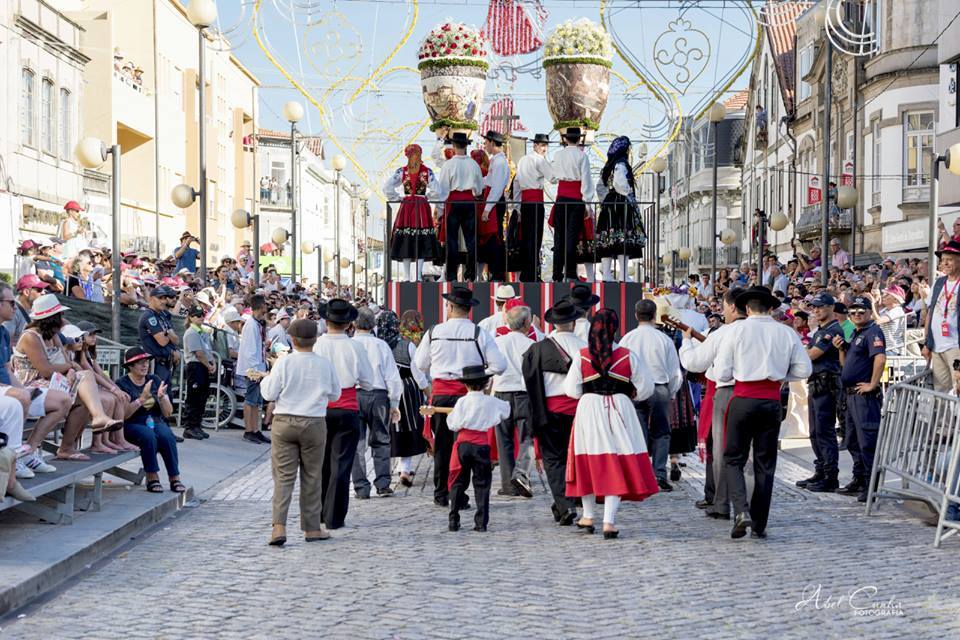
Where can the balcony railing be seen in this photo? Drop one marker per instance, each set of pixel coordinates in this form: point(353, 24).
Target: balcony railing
point(726, 256)
point(810, 221)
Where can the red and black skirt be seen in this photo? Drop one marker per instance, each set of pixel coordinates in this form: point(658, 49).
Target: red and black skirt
point(414, 236)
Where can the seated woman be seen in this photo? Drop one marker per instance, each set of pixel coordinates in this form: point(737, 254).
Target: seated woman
point(40, 356)
point(146, 424)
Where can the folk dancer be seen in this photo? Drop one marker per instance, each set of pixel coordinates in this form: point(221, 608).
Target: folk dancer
point(473, 415)
point(516, 466)
point(582, 296)
point(496, 180)
point(502, 294)
point(759, 355)
point(533, 170)
point(379, 407)
point(349, 358)
point(824, 387)
point(414, 238)
point(545, 367)
point(659, 354)
point(610, 459)
point(864, 361)
point(443, 353)
point(620, 232)
point(406, 435)
point(571, 167)
point(461, 180)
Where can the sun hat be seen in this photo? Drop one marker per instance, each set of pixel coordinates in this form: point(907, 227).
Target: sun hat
point(45, 306)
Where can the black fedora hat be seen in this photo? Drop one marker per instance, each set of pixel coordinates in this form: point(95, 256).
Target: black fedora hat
point(562, 312)
point(951, 247)
point(541, 137)
point(573, 134)
point(461, 295)
point(474, 373)
point(756, 293)
point(459, 138)
point(339, 310)
point(494, 136)
point(583, 296)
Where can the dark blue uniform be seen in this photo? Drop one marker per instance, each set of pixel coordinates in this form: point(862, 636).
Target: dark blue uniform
point(863, 411)
point(824, 385)
point(153, 322)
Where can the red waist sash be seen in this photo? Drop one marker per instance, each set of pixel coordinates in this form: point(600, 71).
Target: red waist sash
point(531, 195)
point(441, 387)
point(564, 405)
point(479, 438)
point(569, 189)
point(705, 419)
point(347, 400)
point(460, 196)
point(758, 390)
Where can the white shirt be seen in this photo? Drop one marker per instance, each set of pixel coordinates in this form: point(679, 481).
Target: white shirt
point(478, 412)
point(781, 283)
point(393, 187)
point(571, 345)
point(498, 175)
point(418, 376)
point(461, 173)
point(941, 342)
point(533, 171)
point(571, 164)
point(699, 356)
point(302, 384)
point(278, 333)
point(349, 359)
point(490, 324)
point(386, 376)
point(250, 355)
point(694, 319)
point(581, 329)
point(658, 352)
point(512, 346)
point(621, 184)
point(452, 348)
point(760, 348)
point(639, 376)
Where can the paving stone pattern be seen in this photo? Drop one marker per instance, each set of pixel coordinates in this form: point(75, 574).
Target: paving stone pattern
point(394, 572)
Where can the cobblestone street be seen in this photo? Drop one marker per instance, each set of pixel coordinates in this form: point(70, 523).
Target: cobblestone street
point(395, 572)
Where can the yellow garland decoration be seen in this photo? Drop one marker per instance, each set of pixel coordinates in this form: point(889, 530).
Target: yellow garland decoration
point(396, 49)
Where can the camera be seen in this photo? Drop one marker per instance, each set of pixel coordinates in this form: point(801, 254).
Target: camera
point(956, 364)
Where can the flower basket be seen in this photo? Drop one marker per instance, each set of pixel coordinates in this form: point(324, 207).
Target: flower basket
point(453, 75)
point(577, 60)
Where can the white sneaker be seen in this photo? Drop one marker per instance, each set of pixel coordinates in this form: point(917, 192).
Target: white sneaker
point(23, 471)
point(37, 464)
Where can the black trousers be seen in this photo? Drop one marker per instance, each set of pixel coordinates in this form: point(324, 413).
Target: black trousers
point(822, 414)
point(343, 434)
point(531, 239)
point(475, 462)
point(498, 254)
point(462, 215)
point(752, 423)
point(710, 482)
point(442, 447)
point(567, 221)
point(197, 378)
point(554, 439)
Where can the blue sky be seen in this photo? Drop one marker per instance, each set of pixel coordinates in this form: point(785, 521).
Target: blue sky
point(330, 48)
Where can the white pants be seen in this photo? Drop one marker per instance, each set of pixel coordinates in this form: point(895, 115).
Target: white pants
point(408, 270)
point(610, 506)
point(607, 268)
point(11, 421)
point(406, 465)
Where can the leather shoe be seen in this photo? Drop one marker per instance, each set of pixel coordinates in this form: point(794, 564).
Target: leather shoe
point(826, 485)
point(702, 504)
point(556, 512)
point(568, 518)
point(453, 526)
point(279, 536)
point(758, 535)
point(386, 492)
point(664, 485)
point(740, 525)
point(479, 528)
point(854, 488)
point(319, 534)
point(862, 496)
point(362, 495)
point(816, 477)
point(441, 502)
point(717, 515)
point(193, 433)
point(522, 487)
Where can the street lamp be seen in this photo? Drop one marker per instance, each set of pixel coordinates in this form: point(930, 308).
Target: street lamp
point(307, 248)
point(668, 261)
point(684, 254)
point(339, 164)
point(951, 160)
point(92, 153)
point(293, 112)
point(658, 165)
point(241, 219)
point(202, 14)
point(716, 114)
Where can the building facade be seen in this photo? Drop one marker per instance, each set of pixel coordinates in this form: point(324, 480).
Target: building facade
point(948, 129)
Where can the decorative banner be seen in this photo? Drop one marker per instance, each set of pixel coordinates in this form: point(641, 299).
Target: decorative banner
point(814, 191)
point(515, 27)
point(681, 54)
point(846, 178)
point(496, 117)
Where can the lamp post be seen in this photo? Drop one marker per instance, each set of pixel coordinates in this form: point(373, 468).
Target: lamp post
point(847, 197)
point(202, 14)
point(777, 222)
point(684, 254)
point(658, 166)
point(339, 163)
point(279, 237)
point(951, 160)
point(727, 237)
point(670, 260)
point(293, 112)
point(92, 153)
point(717, 114)
point(307, 248)
point(241, 219)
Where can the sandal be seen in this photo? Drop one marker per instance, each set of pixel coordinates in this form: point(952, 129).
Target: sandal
point(177, 487)
point(154, 486)
point(73, 456)
point(113, 425)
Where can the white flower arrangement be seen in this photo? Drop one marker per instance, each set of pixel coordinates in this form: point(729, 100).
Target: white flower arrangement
point(453, 42)
point(578, 41)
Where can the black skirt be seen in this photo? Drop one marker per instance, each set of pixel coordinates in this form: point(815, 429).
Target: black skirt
point(406, 436)
point(619, 228)
point(683, 421)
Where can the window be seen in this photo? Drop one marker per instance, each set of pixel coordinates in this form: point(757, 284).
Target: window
point(849, 146)
point(66, 118)
point(873, 19)
point(27, 109)
point(804, 63)
point(918, 130)
point(876, 163)
point(46, 116)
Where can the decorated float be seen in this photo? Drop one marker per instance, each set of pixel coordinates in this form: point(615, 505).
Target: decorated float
point(453, 74)
point(577, 59)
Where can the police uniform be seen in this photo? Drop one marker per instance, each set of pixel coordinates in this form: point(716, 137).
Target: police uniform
point(151, 323)
point(824, 387)
point(863, 410)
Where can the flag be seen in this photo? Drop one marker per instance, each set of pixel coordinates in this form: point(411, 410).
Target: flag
point(514, 27)
point(503, 106)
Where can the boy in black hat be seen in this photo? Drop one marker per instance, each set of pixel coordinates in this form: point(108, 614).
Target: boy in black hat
point(462, 180)
point(533, 170)
point(472, 417)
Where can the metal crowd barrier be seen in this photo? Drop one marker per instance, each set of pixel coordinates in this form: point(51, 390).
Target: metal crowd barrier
point(917, 443)
point(110, 357)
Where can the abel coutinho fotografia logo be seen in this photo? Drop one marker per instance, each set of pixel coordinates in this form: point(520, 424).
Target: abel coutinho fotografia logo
point(864, 601)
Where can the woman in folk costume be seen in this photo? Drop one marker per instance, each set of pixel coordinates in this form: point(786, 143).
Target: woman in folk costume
point(620, 232)
point(608, 454)
point(406, 440)
point(414, 237)
point(487, 232)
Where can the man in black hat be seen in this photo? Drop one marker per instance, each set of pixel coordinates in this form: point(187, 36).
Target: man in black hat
point(942, 340)
point(461, 179)
point(353, 369)
point(533, 170)
point(157, 335)
point(824, 386)
point(583, 297)
point(443, 353)
point(571, 168)
point(545, 366)
point(497, 179)
point(759, 356)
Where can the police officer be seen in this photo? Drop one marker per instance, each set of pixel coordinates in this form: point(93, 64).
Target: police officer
point(157, 336)
point(824, 386)
point(863, 363)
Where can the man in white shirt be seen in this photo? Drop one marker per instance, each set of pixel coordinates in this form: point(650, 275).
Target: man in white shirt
point(443, 353)
point(461, 179)
point(378, 406)
point(660, 355)
point(942, 339)
point(494, 321)
point(515, 465)
point(251, 367)
point(571, 168)
point(533, 170)
point(353, 368)
point(497, 179)
point(278, 332)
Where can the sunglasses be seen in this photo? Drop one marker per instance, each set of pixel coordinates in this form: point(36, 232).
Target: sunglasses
point(856, 312)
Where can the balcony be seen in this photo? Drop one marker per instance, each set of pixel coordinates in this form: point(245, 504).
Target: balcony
point(810, 221)
point(133, 112)
point(726, 256)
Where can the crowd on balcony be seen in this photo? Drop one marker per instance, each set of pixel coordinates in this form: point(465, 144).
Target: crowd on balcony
point(273, 193)
point(127, 70)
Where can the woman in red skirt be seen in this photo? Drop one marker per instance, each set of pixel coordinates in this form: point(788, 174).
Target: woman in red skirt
point(414, 237)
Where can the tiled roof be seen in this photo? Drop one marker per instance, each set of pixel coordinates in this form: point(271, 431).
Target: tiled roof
point(738, 101)
point(313, 143)
point(781, 34)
